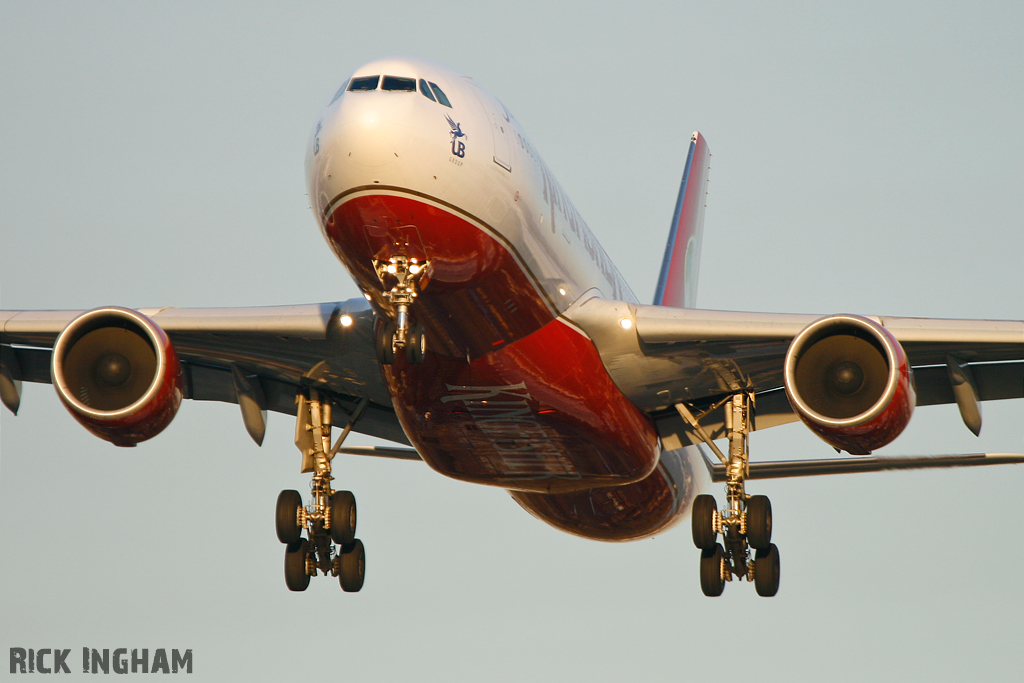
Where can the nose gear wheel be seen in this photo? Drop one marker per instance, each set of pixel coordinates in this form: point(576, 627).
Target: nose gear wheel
point(746, 523)
point(330, 516)
point(402, 278)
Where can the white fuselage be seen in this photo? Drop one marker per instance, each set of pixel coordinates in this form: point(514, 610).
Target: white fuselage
point(490, 170)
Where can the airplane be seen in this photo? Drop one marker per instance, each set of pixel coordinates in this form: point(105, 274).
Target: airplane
point(497, 342)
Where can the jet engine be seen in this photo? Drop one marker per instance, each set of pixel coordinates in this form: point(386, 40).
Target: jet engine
point(848, 379)
point(117, 373)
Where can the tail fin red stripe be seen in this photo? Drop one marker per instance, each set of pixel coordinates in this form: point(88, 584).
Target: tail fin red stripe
point(677, 283)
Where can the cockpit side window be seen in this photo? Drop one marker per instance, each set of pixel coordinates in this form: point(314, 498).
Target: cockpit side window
point(341, 91)
point(425, 89)
point(441, 97)
point(364, 83)
point(398, 83)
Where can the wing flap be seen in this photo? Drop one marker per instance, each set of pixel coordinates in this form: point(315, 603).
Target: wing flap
point(995, 382)
point(33, 365)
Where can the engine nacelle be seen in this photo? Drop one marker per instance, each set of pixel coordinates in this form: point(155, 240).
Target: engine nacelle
point(117, 373)
point(849, 380)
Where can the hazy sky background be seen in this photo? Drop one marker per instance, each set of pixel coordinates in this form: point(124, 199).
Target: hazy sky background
point(867, 158)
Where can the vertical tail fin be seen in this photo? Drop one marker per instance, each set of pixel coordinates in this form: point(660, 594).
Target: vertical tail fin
point(677, 284)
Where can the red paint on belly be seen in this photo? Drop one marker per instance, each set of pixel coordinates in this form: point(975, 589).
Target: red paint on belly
point(540, 414)
point(508, 395)
point(623, 513)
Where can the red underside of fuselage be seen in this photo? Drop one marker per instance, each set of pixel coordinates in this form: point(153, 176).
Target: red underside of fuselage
point(622, 513)
point(508, 395)
point(539, 414)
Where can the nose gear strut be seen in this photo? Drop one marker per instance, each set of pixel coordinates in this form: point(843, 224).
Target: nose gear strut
point(330, 517)
point(746, 524)
point(402, 278)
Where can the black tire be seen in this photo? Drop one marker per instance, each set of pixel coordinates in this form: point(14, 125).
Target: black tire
point(295, 576)
point(343, 517)
point(711, 581)
point(416, 344)
point(288, 504)
point(702, 520)
point(759, 522)
point(353, 567)
point(386, 343)
point(766, 571)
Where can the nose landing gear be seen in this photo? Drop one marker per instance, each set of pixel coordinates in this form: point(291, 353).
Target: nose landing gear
point(745, 525)
point(402, 278)
point(330, 516)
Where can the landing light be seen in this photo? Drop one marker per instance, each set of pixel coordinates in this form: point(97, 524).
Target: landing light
point(626, 323)
point(367, 296)
point(346, 320)
point(392, 269)
point(414, 269)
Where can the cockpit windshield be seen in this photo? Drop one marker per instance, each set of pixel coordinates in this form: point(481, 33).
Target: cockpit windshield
point(440, 95)
point(363, 83)
point(425, 89)
point(341, 91)
point(398, 83)
point(429, 89)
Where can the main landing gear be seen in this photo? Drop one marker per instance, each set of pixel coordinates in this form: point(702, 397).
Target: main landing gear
point(330, 517)
point(402, 278)
point(745, 525)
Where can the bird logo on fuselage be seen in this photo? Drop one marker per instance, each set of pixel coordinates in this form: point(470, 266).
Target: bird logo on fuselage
point(458, 146)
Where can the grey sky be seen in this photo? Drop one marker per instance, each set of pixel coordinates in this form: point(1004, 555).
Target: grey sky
point(866, 158)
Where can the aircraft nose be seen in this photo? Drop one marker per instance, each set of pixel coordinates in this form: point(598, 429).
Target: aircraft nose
point(387, 138)
point(367, 134)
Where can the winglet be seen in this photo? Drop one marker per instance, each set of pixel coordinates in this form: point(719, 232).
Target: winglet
point(677, 284)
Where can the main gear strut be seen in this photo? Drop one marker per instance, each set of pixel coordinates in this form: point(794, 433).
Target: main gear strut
point(746, 523)
point(330, 517)
point(402, 278)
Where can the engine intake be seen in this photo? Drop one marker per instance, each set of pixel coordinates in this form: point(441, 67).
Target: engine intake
point(117, 373)
point(850, 382)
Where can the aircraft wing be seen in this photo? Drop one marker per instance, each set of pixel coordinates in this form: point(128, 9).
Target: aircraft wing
point(660, 356)
point(226, 352)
